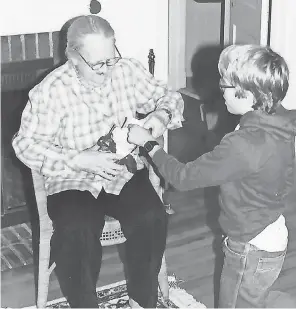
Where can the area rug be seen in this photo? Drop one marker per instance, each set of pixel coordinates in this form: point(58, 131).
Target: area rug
point(115, 296)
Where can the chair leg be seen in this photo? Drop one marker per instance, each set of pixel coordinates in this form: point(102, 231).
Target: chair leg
point(43, 274)
point(163, 280)
point(43, 264)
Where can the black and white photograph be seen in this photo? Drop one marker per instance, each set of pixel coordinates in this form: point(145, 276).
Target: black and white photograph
point(148, 154)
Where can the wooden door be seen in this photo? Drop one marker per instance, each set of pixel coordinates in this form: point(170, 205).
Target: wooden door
point(247, 21)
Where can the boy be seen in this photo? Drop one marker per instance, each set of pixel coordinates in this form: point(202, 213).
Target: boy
point(254, 167)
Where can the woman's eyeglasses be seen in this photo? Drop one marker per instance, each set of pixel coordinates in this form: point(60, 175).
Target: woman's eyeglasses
point(97, 66)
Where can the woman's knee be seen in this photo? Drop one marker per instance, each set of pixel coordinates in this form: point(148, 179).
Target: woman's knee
point(75, 209)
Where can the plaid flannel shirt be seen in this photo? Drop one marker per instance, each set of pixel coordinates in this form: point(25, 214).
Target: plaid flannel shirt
point(64, 117)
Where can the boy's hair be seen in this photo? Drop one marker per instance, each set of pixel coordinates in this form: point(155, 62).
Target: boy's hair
point(257, 69)
point(81, 26)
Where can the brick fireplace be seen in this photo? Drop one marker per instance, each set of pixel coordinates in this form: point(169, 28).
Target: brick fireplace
point(25, 59)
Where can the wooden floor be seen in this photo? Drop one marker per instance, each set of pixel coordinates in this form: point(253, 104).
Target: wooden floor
point(193, 254)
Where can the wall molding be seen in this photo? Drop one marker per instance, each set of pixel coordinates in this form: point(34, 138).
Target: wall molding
point(265, 15)
point(177, 42)
point(283, 25)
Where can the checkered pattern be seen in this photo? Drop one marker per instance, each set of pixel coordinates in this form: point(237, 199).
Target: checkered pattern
point(64, 117)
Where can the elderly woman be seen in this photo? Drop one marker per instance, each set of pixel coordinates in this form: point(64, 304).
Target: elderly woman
point(67, 113)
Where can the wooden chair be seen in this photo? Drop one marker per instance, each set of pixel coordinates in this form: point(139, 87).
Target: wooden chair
point(111, 235)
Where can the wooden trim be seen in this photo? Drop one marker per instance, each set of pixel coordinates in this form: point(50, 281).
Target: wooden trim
point(22, 37)
point(283, 25)
point(264, 33)
point(177, 40)
point(278, 24)
point(50, 44)
point(37, 46)
point(227, 6)
point(9, 48)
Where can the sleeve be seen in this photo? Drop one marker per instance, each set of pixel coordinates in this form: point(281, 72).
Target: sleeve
point(34, 143)
point(152, 94)
point(228, 161)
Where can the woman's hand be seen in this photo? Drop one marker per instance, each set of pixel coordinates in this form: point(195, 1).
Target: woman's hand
point(157, 122)
point(99, 163)
point(138, 135)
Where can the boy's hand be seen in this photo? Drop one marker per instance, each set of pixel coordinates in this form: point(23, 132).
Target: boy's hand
point(138, 135)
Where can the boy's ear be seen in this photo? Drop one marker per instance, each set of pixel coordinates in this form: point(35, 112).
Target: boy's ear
point(250, 99)
point(248, 94)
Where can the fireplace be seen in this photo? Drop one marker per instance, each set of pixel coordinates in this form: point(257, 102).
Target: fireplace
point(24, 63)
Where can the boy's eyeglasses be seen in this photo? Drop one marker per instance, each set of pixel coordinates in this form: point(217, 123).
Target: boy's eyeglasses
point(97, 66)
point(224, 86)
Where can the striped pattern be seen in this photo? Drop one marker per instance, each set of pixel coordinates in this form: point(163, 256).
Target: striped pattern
point(24, 47)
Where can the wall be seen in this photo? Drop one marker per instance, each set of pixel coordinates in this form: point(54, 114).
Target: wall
point(282, 40)
point(202, 28)
point(139, 24)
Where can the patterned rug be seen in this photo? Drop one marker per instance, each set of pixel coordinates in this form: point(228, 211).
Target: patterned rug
point(115, 296)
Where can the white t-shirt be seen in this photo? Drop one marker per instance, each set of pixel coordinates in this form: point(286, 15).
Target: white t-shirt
point(273, 238)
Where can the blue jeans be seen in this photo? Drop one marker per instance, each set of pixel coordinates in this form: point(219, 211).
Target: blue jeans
point(247, 276)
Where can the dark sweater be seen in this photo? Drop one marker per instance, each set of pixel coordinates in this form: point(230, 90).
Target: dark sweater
point(254, 167)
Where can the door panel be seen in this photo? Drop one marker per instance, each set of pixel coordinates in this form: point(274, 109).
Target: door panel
point(245, 21)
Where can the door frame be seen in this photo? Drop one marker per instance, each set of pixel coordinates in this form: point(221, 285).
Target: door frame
point(177, 42)
point(177, 37)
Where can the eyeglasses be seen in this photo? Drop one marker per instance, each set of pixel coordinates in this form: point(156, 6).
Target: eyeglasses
point(224, 86)
point(97, 66)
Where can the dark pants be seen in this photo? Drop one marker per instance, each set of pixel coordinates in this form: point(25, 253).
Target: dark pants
point(248, 275)
point(78, 220)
